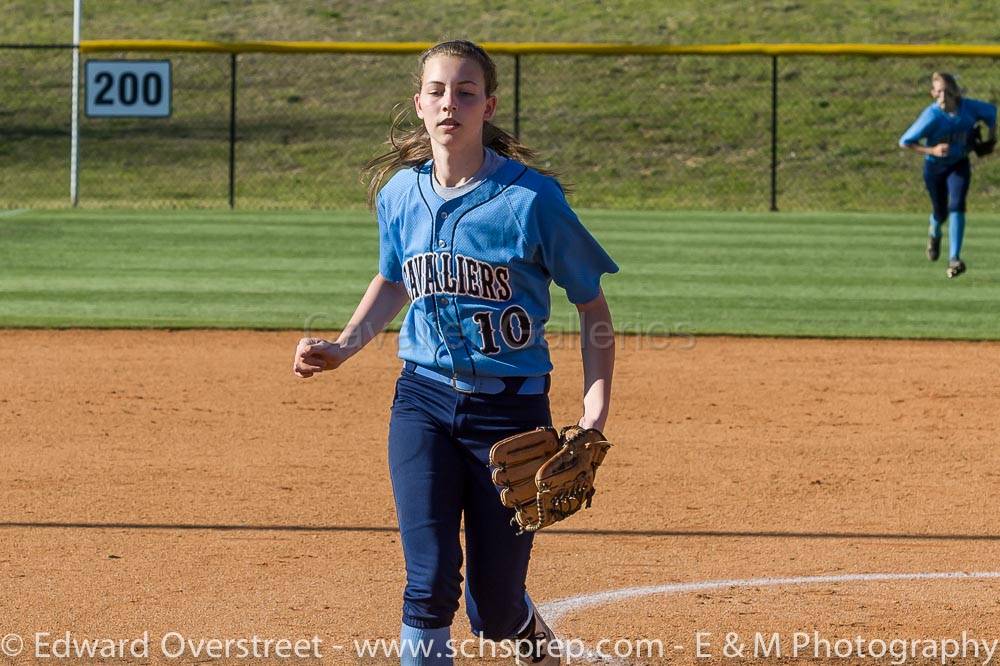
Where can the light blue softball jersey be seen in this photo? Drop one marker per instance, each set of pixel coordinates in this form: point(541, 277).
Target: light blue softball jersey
point(478, 268)
point(936, 126)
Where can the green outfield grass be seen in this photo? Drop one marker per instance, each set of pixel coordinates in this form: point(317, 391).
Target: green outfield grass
point(851, 275)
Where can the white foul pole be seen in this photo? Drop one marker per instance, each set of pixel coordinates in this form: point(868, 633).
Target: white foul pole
point(74, 142)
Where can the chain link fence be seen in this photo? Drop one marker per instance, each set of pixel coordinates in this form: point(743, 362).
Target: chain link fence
point(34, 127)
point(635, 132)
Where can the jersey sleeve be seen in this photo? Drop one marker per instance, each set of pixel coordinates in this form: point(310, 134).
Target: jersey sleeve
point(986, 112)
point(389, 263)
point(919, 129)
point(568, 252)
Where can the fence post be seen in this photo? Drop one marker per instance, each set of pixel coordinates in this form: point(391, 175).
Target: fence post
point(74, 141)
point(517, 95)
point(232, 130)
point(774, 133)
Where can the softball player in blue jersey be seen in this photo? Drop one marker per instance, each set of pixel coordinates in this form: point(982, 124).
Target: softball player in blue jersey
point(941, 134)
point(471, 238)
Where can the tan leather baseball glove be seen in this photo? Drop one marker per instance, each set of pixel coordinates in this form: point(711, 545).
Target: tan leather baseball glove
point(547, 476)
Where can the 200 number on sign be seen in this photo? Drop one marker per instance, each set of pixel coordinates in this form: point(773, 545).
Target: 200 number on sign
point(128, 88)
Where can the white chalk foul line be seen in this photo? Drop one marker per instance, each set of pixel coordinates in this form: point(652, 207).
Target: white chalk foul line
point(554, 611)
point(12, 213)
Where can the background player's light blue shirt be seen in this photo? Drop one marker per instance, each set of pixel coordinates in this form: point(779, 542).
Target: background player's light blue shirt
point(935, 126)
point(478, 268)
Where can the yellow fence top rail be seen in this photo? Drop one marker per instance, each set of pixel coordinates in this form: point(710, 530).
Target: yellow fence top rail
point(564, 48)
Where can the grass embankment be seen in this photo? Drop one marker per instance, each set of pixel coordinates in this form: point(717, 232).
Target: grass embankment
point(628, 132)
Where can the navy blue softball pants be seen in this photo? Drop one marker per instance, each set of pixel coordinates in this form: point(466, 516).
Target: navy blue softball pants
point(948, 186)
point(439, 444)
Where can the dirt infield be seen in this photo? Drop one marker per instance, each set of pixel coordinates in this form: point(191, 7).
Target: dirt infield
point(187, 482)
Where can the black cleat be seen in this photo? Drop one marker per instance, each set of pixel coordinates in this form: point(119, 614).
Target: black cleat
point(955, 268)
point(933, 248)
point(534, 641)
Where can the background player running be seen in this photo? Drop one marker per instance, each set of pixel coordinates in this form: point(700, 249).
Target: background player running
point(941, 133)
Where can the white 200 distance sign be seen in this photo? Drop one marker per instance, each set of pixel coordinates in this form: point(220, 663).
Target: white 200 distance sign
point(128, 88)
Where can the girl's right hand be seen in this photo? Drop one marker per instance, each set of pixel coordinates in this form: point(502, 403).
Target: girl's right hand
point(314, 355)
point(940, 150)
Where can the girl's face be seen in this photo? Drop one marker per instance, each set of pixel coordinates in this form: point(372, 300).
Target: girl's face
point(939, 91)
point(453, 102)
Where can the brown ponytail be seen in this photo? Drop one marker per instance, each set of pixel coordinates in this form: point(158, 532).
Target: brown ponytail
point(409, 142)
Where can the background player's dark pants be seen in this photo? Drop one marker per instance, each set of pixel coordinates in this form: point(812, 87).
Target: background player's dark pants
point(948, 186)
point(439, 444)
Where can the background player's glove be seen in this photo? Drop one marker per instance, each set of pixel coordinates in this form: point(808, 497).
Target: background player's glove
point(980, 143)
point(547, 476)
